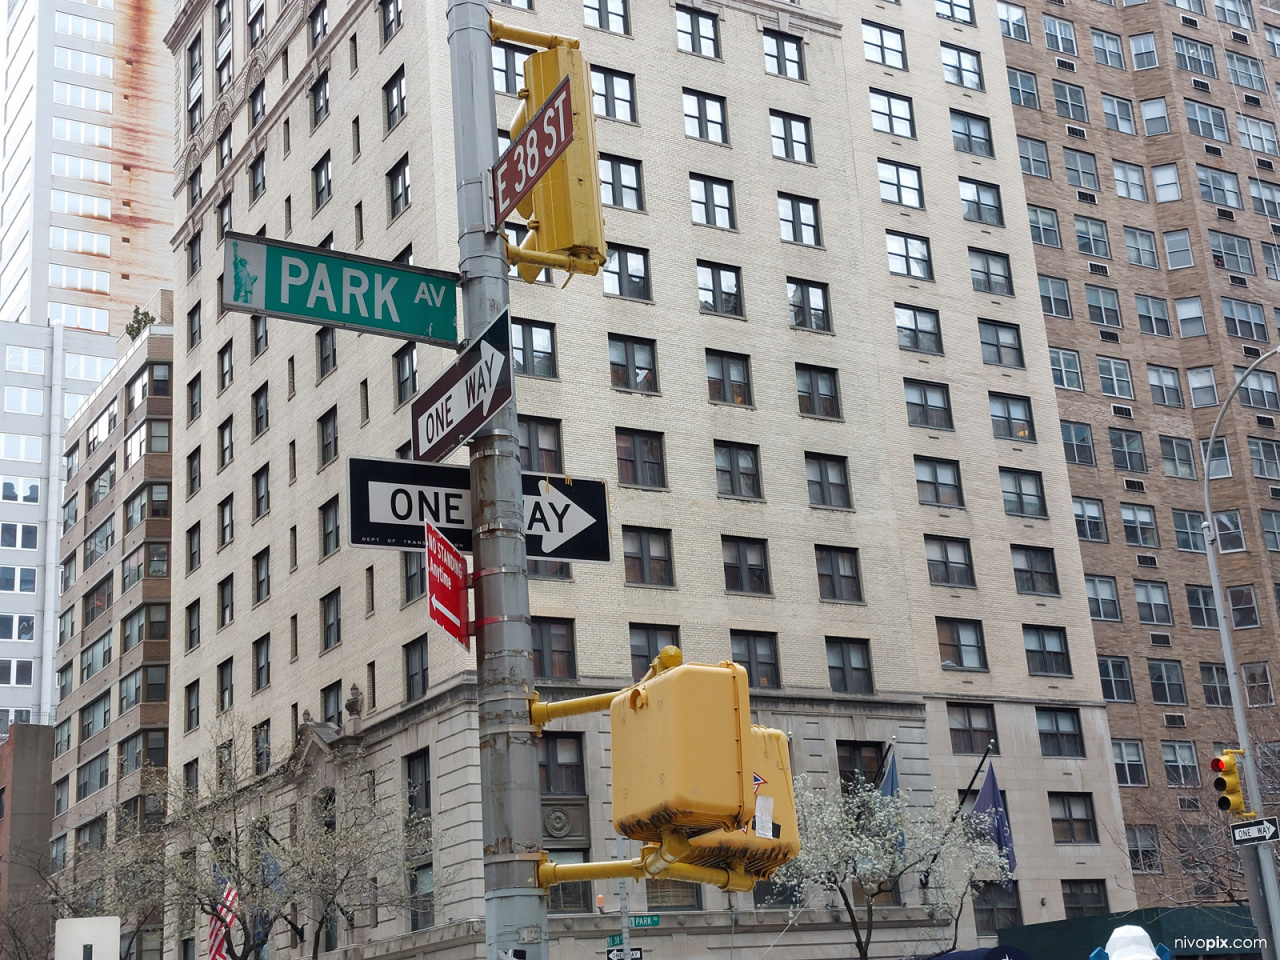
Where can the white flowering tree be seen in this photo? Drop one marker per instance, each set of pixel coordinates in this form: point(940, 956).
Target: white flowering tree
point(864, 845)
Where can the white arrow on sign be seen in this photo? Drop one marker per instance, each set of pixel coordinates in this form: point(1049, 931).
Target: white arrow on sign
point(473, 390)
point(1263, 828)
point(554, 516)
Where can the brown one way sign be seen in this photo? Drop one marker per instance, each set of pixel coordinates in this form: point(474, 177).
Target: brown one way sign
point(460, 400)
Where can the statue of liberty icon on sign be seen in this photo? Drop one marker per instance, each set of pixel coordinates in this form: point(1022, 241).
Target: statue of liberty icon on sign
point(244, 280)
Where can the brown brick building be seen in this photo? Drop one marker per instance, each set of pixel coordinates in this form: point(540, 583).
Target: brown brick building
point(1147, 137)
point(113, 640)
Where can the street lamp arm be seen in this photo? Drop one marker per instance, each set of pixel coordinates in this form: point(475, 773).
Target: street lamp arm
point(1265, 908)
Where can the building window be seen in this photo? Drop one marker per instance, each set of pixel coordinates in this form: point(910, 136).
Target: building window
point(611, 15)
point(322, 180)
point(331, 619)
point(980, 202)
point(808, 304)
point(838, 574)
point(1126, 450)
point(647, 640)
point(393, 98)
point(746, 565)
point(900, 183)
point(647, 556)
point(729, 378)
point(192, 706)
point(757, 653)
point(938, 482)
point(892, 114)
point(508, 67)
point(553, 649)
point(1060, 733)
point(1054, 299)
point(849, 665)
point(1068, 100)
point(632, 363)
point(973, 728)
point(1033, 155)
point(539, 441)
point(327, 430)
point(1046, 649)
point(398, 186)
point(1144, 848)
point(416, 682)
point(392, 17)
point(950, 562)
point(1073, 819)
point(320, 100)
point(1180, 766)
point(783, 55)
point(1023, 492)
point(613, 94)
point(928, 404)
point(1023, 91)
point(1188, 529)
point(996, 907)
point(791, 137)
point(918, 329)
point(1011, 417)
point(828, 480)
point(640, 458)
point(1206, 121)
point(719, 289)
point(798, 220)
point(620, 181)
point(631, 282)
point(885, 45)
point(1117, 685)
point(738, 470)
point(1244, 608)
point(972, 134)
point(1103, 602)
point(696, 32)
point(1178, 458)
point(909, 256)
point(560, 767)
point(961, 645)
point(1131, 767)
point(818, 391)
point(1167, 686)
point(960, 66)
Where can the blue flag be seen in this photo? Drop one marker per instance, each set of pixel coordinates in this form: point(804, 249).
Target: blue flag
point(989, 802)
point(889, 782)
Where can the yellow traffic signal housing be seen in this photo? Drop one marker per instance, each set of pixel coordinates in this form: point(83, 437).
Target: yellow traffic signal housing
point(563, 210)
point(1227, 782)
point(773, 837)
point(683, 753)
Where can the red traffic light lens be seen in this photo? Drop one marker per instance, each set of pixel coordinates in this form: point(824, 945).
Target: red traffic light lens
point(1217, 765)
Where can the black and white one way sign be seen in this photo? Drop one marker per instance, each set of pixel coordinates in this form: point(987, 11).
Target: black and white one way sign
point(389, 500)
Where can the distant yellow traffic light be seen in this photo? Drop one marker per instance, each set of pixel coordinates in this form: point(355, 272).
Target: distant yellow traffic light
point(683, 752)
point(1227, 781)
point(563, 211)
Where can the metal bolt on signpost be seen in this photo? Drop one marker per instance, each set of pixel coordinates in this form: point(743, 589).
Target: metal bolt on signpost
point(515, 905)
point(1259, 861)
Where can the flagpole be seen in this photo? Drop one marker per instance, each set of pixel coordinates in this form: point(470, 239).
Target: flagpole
point(924, 876)
point(884, 758)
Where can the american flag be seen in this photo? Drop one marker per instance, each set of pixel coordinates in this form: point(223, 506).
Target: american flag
point(220, 922)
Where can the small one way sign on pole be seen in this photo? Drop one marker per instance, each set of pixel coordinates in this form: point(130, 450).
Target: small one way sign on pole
point(1249, 832)
point(447, 587)
point(459, 401)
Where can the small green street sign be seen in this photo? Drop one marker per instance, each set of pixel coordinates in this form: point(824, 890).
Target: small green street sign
point(646, 920)
point(615, 940)
point(279, 279)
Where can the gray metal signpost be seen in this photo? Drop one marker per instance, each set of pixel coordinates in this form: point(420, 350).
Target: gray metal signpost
point(515, 906)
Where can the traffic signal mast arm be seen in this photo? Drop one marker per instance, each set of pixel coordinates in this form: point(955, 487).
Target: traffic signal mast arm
point(541, 713)
point(656, 861)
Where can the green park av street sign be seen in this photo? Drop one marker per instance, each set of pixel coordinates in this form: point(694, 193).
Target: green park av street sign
point(288, 280)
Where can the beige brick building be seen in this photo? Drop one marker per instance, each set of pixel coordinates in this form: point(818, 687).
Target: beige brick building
point(759, 375)
point(1148, 133)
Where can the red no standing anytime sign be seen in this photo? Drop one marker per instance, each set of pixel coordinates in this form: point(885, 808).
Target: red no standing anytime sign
point(447, 587)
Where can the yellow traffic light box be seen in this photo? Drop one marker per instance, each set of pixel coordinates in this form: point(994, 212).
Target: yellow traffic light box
point(563, 210)
point(773, 836)
point(1227, 781)
point(683, 752)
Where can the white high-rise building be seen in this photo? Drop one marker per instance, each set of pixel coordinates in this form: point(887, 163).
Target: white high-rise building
point(85, 215)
